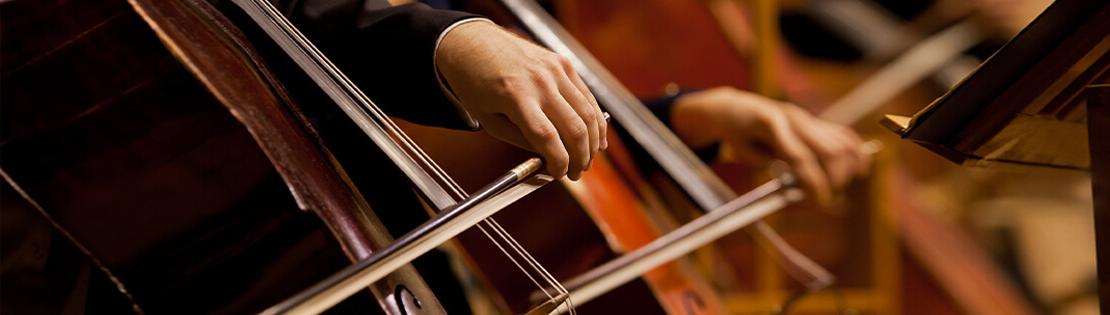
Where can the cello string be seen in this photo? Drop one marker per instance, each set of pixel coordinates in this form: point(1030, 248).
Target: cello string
point(552, 281)
point(490, 223)
point(413, 155)
point(548, 277)
point(500, 232)
point(501, 235)
point(698, 180)
point(357, 105)
point(506, 237)
point(431, 165)
point(506, 252)
point(529, 259)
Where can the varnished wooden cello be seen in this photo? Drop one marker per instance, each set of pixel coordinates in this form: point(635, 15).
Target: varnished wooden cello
point(217, 53)
point(168, 29)
point(736, 207)
point(583, 188)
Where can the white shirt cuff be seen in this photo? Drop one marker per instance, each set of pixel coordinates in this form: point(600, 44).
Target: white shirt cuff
point(443, 86)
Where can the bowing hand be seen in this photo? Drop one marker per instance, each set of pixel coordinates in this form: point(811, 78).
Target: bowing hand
point(824, 156)
point(523, 94)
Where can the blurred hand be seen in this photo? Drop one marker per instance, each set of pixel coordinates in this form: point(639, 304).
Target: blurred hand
point(523, 94)
point(824, 156)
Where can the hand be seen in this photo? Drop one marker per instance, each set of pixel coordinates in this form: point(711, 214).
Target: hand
point(523, 94)
point(823, 155)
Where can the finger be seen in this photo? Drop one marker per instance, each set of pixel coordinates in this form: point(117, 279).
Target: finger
point(848, 133)
point(789, 147)
point(832, 151)
point(602, 123)
point(834, 155)
point(586, 111)
point(861, 160)
point(851, 146)
point(573, 133)
point(542, 137)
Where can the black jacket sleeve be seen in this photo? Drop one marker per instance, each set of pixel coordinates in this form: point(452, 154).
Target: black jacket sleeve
point(387, 51)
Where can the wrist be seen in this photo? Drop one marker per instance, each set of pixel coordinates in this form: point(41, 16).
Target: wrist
point(457, 43)
point(443, 58)
point(693, 121)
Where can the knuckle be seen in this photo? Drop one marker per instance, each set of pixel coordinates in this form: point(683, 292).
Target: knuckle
point(558, 59)
point(590, 120)
point(506, 84)
point(564, 62)
point(538, 74)
point(510, 87)
point(544, 132)
point(553, 62)
point(577, 130)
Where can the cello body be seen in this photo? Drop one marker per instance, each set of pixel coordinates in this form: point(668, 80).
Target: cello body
point(569, 228)
point(154, 140)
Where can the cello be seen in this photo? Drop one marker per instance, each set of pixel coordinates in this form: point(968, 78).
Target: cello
point(580, 188)
point(132, 148)
point(683, 301)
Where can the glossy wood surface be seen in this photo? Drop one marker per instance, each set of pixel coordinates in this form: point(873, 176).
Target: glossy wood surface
point(144, 168)
point(570, 228)
point(187, 181)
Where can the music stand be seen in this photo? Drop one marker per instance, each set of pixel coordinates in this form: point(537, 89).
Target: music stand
point(1043, 100)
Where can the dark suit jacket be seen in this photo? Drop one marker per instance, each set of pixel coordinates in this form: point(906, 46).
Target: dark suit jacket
point(387, 51)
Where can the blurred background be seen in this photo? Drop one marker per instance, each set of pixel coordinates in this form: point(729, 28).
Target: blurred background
point(921, 235)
